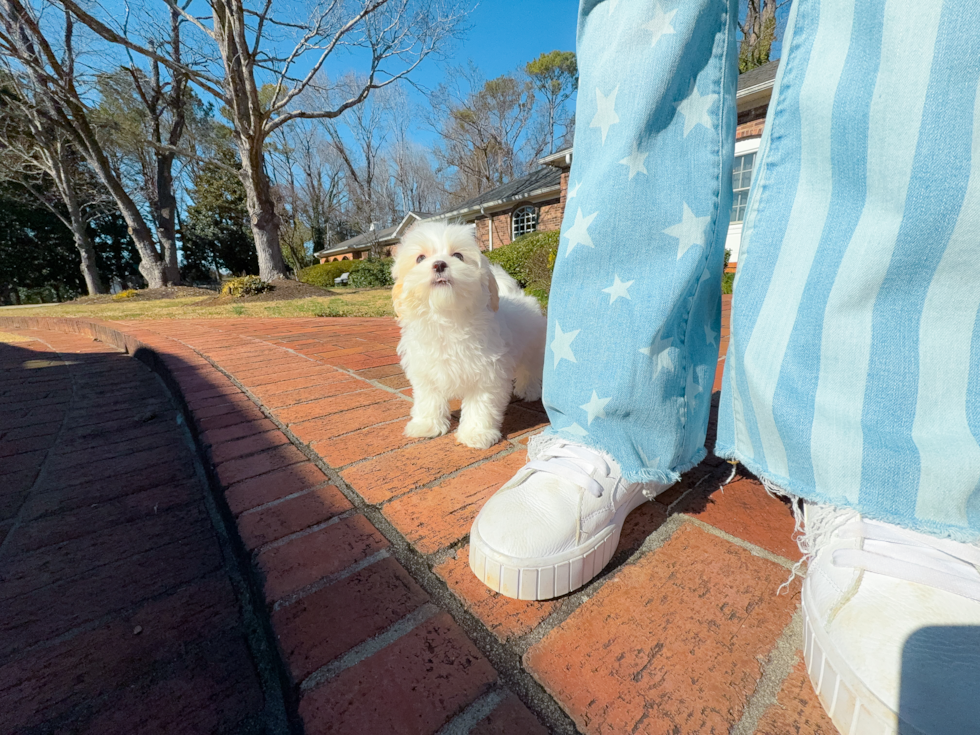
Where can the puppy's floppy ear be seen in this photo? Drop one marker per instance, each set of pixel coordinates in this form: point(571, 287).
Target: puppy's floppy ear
point(491, 285)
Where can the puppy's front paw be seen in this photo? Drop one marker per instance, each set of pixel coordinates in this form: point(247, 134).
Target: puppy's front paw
point(477, 438)
point(529, 392)
point(426, 428)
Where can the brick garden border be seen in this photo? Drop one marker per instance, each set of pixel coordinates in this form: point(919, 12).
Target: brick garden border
point(273, 676)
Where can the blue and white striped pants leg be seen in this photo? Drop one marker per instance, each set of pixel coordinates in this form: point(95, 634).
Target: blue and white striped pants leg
point(635, 306)
point(853, 371)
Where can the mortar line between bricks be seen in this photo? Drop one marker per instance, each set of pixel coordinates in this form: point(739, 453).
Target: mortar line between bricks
point(747, 545)
point(778, 666)
point(339, 368)
point(431, 483)
point(573, 602)
point(306, 531)
point(331, 578)
point(371, 646)
point(284, 498)
point(465, 721)
point(448, 476)
point(365, 428)
point(507, 663)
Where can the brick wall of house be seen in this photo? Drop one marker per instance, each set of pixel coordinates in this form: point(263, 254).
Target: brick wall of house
point(550, 213)
point(751, 122)
point(549, 218)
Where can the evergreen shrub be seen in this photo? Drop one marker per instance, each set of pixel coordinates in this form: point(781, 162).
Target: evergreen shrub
point(371, 273)
point(323, 275)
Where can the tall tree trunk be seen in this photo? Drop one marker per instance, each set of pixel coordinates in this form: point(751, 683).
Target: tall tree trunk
point(263, 217)
point(93, 281)
point(151, 264)
point(164, 206)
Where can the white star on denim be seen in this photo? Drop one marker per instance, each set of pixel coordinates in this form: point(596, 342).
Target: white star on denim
point(573, 192)
point(578, 233)
point(662, 350)
point(710, 335)
point(606, 114)
point(596, 407)
point(635, 161)
point(612, 6)
point(660, 25)
point(561, 345)
point(576, 430)
point(690, 231)
point(692, 388)
point(618, 289)
point(695, 110)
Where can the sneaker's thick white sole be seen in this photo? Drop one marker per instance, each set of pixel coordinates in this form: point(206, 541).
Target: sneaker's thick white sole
point(853, 708)
point(542, 578)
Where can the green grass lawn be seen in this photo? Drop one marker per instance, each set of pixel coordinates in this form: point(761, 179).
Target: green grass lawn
point(375, 302)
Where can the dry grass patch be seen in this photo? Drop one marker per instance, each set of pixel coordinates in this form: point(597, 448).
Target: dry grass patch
point(365, 303)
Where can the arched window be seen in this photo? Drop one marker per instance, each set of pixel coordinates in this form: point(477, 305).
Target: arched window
point(524, 220)
point(345, 258)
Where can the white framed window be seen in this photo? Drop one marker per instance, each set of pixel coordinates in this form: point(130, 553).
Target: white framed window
point(741, 181)
point(746, 158)
point(524, 220)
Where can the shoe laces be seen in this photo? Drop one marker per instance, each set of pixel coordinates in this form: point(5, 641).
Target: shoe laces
point(574, 463)
point(897, 552)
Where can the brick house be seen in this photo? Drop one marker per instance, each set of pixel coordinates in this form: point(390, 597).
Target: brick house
point(537, 201)
point(360, 246)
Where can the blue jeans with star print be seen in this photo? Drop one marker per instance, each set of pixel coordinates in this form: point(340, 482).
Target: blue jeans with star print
point(853, 370)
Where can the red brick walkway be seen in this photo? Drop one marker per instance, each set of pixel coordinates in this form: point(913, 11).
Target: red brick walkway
point(358, 539)
point(118, 609)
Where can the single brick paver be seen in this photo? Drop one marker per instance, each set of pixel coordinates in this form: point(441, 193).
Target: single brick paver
point(356, 538)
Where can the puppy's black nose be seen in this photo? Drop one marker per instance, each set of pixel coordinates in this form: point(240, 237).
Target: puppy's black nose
point(439, 266)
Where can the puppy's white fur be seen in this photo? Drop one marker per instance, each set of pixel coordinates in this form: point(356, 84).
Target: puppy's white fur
point(468, 332)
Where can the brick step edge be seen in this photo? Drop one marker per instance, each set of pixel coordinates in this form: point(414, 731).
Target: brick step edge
point(281, 707)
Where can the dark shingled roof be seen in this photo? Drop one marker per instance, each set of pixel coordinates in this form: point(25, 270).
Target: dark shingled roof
point(363, 240)
point(545, 177)
point(759, 75)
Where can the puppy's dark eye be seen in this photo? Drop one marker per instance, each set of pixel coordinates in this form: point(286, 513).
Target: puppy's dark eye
point(458, 255)
point(420, 259)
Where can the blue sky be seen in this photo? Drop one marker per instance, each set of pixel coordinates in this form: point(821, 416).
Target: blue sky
point(505, 34)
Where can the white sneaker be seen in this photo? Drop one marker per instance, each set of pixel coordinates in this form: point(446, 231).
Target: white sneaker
point(556, 523)
point(892, 626)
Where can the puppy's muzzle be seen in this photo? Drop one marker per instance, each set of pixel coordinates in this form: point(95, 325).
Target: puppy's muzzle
point(440, 267)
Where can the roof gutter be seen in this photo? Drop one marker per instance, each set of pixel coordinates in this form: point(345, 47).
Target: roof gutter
point(755, 88)
point(480, 207)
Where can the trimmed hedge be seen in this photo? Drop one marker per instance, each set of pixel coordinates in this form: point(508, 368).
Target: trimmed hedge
point(372, 273)
point(530, 260)
point(323, 275)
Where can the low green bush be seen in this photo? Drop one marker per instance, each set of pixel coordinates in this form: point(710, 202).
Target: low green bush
point(727, 282)
point(530, 260)
point(371, 273)
point(245, 286)
point(323, 275)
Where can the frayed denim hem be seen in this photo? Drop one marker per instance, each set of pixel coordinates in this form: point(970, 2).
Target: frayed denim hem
point(645, 475)
point(786, 487)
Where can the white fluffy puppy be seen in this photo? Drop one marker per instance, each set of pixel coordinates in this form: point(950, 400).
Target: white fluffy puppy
point(468, 332)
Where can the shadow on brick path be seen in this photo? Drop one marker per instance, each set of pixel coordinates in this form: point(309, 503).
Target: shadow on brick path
point(121, 606)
